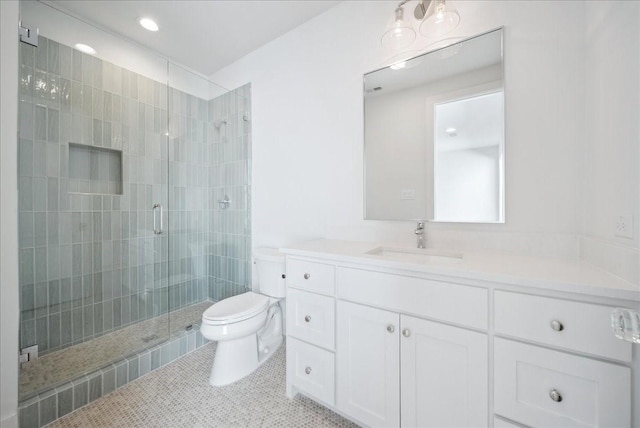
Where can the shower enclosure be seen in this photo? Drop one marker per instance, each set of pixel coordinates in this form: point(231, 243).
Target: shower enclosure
point(134, 209)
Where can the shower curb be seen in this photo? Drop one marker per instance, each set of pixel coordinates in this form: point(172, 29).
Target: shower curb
point(48, 406)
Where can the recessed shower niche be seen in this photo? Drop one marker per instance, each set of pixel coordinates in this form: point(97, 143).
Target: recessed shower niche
point(94, 170)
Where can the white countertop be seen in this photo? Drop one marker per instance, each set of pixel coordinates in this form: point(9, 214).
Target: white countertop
point(551, 274)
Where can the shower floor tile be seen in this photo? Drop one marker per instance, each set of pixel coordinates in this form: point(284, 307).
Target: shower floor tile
point(66, 364)
point(179, 395)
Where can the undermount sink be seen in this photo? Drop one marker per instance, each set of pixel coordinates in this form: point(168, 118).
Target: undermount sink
point(417, 255)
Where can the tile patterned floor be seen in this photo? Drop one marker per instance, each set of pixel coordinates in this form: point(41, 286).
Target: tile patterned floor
point(179, 395)
point(61, 366)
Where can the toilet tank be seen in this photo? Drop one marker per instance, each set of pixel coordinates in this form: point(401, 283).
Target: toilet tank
point(271, 270)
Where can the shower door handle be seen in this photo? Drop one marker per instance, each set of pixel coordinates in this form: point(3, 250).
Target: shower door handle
point(157, 230)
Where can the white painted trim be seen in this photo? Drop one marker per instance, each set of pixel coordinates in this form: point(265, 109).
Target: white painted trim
point(9, 288)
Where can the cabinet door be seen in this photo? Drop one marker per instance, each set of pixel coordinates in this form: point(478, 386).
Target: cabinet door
point(367, 364)
point(444, 375)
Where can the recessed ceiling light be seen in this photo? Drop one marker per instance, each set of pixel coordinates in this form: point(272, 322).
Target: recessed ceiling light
point(148, 24)
point(85, 48)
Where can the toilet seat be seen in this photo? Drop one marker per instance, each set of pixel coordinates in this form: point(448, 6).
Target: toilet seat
point(235, 309)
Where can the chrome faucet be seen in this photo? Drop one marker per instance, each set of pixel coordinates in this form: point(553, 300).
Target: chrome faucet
point(420, 233)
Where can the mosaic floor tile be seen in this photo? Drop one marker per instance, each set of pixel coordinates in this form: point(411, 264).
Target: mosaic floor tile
point(179, 395)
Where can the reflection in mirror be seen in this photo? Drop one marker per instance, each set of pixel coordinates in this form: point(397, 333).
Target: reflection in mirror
point(434, 135)
point(468, 159)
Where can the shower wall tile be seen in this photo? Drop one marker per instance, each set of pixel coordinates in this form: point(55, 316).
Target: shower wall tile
point(48, 407)
point(80, 393)
point(95, 386)
point(29, 413)
point(65, 400)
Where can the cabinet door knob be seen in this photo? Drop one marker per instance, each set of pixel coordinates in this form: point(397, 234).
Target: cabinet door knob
point(307, 370)
point(307, 318)
point(557, 325)
point(555, 395)
point(307, 275)
point(406, 332)
point(391, 328)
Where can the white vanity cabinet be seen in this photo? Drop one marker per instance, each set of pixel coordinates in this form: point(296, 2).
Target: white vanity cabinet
point(398, 345)
point(393, 367)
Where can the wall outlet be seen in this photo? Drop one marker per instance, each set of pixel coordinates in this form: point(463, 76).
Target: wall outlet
point(624, 226)
point(408, 194)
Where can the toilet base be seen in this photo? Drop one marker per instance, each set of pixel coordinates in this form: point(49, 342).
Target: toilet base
point(238, 358)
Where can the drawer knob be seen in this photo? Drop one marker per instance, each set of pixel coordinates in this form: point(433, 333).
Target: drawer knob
point(406, 332)
point(555, 395)
point(307, 370)
point(391, 328)
point(307, 275)
point(557, 325)
point(307, 318)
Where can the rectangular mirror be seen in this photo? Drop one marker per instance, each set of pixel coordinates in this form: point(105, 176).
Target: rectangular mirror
point(434, 135)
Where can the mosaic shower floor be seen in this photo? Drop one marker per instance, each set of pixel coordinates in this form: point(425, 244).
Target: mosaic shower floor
point(179, 395)
point(58, 367)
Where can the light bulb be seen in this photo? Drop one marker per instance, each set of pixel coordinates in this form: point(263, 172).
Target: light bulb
point(399, 33)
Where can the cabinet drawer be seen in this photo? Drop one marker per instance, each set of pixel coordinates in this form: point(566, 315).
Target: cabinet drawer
point(459, 304)
point(311, 317)
point(589, 393)
point(311, 276)
point(503, 423)
point(580, 327)
point(311, 370)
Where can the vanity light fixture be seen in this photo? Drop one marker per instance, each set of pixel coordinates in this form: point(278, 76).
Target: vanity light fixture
point(148, 24)
point(85, 48)
point(435, 19)
point(399, 32)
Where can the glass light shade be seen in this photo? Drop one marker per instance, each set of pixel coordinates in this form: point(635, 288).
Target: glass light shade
point(442, 18)
point(399, 33)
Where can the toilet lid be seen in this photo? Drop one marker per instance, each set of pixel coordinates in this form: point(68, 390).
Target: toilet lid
point(236, 308)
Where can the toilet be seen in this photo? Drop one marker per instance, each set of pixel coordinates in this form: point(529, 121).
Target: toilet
point(247, 327)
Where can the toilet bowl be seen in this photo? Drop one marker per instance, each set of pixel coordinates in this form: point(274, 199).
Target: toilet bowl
point(247, 327)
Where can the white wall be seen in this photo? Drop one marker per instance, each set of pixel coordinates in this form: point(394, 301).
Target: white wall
point(9, 295)
point(611, 148)
point(308, 127)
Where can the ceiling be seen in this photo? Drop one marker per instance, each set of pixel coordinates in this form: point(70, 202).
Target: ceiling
point(202, 35)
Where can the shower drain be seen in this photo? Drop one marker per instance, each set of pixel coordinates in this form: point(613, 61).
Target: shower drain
point(149, 338)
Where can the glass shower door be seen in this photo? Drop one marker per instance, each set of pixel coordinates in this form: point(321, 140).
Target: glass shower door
point(93, 162)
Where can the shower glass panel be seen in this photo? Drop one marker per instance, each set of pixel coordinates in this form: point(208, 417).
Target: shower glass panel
point(209, 194)
point(93, 163)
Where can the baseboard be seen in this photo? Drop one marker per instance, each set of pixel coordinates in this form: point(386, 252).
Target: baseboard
point(10, 422)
